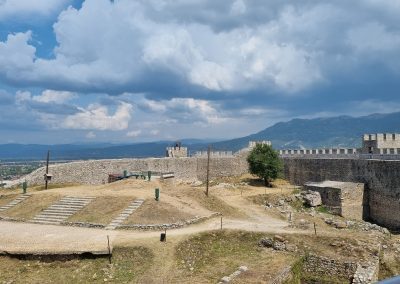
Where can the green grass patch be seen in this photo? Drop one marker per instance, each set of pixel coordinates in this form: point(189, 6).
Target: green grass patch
point(297, 271)
point(322, 209)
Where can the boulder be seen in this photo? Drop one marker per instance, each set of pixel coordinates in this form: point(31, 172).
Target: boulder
point(312, 198)
point(266, 242)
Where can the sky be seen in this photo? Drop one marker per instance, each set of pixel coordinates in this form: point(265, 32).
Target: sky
point(128, 71)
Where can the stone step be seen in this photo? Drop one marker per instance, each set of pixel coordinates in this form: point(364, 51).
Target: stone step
point(48, 219)
point(14, 202)
point(65, 206)
point(124, 214)
point(71, 202)
point(57, 213)
point(61, 210)
point(46, 222)
point(75, 201)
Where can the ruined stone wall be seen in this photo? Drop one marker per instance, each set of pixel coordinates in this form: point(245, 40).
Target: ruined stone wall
point(352, 200)
point(97, 171)
point(330, 197)
point(341, 198)
point(381, 178)
point(329, 267)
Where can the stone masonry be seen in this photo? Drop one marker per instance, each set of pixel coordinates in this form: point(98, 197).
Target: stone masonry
point(341, 198)
point(381, 178)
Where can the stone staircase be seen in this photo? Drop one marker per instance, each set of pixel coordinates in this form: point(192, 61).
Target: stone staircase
point(16, 201)
point(125, 214)
point(62, 210)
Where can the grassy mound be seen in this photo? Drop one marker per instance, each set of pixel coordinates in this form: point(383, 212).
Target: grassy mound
point(102, 210)
point(207, 257)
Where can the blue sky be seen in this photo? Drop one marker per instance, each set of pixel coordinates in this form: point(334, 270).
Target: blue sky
point(140, 70)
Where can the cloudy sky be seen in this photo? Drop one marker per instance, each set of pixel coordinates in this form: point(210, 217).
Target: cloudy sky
point(141, 70)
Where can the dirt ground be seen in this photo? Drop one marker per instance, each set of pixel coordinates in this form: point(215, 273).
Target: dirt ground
point(199, 253)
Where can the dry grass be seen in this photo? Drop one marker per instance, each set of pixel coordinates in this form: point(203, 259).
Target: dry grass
point(102, 210)
point(213, 203)
point(129, 264)
point(51, 186)
point(7, 198)
point(32, 206)
point(157, 212)
point(207, 257)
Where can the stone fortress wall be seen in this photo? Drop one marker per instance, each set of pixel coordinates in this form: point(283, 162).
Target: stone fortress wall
point(381, 143)
point(185, 168)
point(97, 171)
point(381, 179)
point(373, 146)
point(214, 154)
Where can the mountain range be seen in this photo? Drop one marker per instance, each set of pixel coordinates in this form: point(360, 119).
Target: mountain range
point(341, 131)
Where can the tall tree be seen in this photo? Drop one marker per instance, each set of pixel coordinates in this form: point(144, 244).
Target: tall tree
point(265, 163)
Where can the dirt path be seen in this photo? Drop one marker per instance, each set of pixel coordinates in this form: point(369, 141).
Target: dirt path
point(35, 238)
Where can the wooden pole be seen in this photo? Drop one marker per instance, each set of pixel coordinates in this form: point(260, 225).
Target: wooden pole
point(221, 223)
point(315, 229)
point(208, 169)
point(109, 249)
point(47, 169)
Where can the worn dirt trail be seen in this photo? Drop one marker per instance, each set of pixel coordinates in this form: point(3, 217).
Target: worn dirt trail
point(35, 238)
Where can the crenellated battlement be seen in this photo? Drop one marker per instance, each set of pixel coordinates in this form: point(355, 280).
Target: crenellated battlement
point(381, 143)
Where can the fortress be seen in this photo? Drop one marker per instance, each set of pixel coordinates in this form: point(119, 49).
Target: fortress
point(378, 172)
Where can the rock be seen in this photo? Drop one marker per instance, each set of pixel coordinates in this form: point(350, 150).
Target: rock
point(340, 225)
point(226, 279)
point(196, 183)
point(312, 198)
point(243, 268)
point(279, 246)
point(281, 202)
point(291, 248)
point(328, 221)
point(266, 242)
point(279, 238)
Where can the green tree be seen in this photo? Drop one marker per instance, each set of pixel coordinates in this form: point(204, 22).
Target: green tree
point(265, 163)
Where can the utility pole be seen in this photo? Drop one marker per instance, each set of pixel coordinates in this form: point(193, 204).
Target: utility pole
point(47, 169)
point(208, 168)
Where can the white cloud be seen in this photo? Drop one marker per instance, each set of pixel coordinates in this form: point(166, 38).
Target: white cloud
point(296, 47)
point(16, 8)
point(97, 117)
point(91, 135)
point(21, 96)
point(154, 132)
point(58, 97)
point(238, 7)
point(186, 110)
point(140, 44)
point(134, 133)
